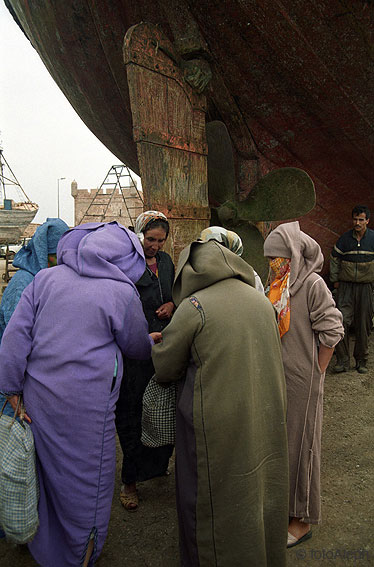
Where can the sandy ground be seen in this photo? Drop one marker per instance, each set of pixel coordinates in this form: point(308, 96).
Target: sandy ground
point(149, 537)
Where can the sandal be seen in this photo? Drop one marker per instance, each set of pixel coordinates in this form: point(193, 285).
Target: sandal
point(129, 501)
point(292, 540)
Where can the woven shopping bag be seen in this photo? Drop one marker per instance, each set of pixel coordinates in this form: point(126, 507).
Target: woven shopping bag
point(158, 417)
point(19, 487)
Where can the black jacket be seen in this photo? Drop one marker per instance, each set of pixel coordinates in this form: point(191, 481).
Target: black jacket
point(154, 291)
point(352, 260)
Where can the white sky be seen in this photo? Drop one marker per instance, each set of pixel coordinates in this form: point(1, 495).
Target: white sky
point(42, 136)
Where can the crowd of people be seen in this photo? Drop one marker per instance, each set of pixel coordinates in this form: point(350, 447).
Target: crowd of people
point(82, 340)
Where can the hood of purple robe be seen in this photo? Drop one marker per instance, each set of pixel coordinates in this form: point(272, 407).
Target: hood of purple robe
point(102, 250)
point(288, 241)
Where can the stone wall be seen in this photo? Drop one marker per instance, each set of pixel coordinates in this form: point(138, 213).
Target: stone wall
point(91, 204)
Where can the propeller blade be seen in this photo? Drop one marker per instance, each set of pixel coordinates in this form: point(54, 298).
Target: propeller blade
point(282, 194)
point(221, 168)
point(253, 247)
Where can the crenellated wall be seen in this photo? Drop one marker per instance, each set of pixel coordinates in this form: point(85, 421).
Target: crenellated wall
point(116, 207)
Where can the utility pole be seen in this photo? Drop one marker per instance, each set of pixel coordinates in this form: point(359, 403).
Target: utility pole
point(58, 195)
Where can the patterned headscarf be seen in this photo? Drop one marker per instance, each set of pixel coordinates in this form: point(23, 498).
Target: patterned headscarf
point(227, 238)
point(279, 293)
point(144, 219)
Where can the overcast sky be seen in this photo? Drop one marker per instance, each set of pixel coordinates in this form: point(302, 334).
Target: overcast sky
point(42, 136)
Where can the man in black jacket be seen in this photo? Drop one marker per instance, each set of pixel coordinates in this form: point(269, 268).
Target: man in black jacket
point(352, 273)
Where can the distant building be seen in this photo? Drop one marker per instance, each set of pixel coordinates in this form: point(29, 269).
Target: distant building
point(91, 204)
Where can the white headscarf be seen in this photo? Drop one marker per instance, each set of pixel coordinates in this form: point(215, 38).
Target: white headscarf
point(230, 240)
point(227, 238)
point(145, 218)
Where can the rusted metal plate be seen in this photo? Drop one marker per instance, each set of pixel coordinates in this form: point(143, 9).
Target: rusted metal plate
point(292, 80)
point(165, 109)
point(169, 129)
point(175, 180)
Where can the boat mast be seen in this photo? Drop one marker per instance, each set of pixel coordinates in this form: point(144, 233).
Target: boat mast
point(2, 184)
point(11, 181)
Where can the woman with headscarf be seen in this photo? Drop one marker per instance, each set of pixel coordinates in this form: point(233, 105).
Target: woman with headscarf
point(230, 240)
point(39, 253)
point(310, 326)
point(63, 349)
point(231, 448)
point(142, 463)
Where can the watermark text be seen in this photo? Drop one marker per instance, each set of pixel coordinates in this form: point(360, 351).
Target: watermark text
point(353, 555)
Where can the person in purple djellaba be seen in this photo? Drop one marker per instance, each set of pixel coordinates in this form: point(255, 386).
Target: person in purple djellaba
point(63, 349)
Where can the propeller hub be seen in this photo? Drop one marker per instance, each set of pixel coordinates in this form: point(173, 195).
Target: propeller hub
point(227, 213)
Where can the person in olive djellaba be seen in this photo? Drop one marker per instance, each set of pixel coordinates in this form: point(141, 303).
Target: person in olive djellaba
point(231, 448)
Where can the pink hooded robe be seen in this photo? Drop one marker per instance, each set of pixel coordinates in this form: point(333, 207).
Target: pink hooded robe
point(314, 320)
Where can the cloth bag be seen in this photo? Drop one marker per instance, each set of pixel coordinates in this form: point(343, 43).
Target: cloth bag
point(19, 486)
point(158, 416)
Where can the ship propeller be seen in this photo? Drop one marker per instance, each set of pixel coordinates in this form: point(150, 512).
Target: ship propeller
point(283, 194)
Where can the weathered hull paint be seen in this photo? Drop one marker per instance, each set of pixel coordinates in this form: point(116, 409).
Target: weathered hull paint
point(293, 81)
point(13, 224)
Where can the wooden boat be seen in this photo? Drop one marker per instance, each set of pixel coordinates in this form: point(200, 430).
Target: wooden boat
point(15, 215)
point(292, 81)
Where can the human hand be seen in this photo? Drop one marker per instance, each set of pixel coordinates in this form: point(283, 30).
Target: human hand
point(13, 400)
point(157, 337)
point(165, 311)
point(324, 357)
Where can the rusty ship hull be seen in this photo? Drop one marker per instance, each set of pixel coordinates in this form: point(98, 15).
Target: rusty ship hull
point(293, 82)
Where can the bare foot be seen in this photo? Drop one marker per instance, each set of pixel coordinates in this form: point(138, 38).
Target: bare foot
point(298, 528)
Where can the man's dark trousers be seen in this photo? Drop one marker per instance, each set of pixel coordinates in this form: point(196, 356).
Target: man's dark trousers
point(355, 301)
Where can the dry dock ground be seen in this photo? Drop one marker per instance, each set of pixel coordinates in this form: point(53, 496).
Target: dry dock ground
point(148, 537)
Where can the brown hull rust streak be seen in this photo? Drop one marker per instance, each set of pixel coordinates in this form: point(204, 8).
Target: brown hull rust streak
point(292, 80)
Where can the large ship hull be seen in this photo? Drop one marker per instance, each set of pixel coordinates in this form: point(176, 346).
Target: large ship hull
point(293, 81)
point(13, 224)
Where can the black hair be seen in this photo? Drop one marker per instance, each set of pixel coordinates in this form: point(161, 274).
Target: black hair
point(157, 223)
point(359, 209)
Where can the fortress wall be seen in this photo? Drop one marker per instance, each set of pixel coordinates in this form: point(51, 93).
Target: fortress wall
point(97, 202)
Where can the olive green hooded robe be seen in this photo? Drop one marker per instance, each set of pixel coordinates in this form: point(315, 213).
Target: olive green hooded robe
point(231, 446)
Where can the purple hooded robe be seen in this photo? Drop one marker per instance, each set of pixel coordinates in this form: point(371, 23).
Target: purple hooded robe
point(63, 348)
